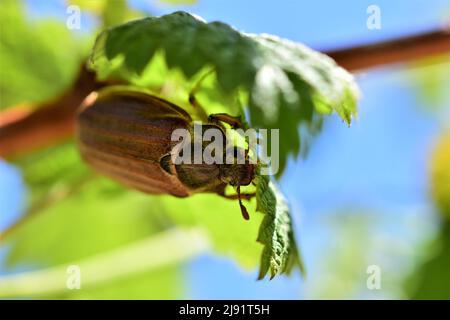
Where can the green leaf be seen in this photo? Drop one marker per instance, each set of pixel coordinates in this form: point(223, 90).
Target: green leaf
point(38, 72)
point(280, 253)
point(52, 172)
point(99, 217)
point(431, 79)
point(286, 62)
point(440, 174)
point(221, 219)
point(430, 278)
point(285, 84)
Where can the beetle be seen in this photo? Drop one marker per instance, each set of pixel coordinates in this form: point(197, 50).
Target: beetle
point(126, 135)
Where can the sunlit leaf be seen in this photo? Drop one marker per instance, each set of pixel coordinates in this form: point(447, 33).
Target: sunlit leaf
point(37, 72)
point(440, 175)
point(431, 77)
point(430, 279)
point(230, 235)
point(280, 253)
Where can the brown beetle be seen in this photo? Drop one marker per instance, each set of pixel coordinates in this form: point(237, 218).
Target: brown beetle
point(126, 135)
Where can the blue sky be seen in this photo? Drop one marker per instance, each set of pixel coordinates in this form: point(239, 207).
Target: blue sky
point(319, 23)
point(379, 164)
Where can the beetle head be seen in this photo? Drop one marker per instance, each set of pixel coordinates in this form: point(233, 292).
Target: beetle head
point(238, 174)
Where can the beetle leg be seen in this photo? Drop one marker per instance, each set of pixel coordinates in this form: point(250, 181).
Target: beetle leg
point(245, 196)
point(234, 122)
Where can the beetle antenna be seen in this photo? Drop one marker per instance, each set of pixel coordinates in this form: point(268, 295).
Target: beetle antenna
point(244, 211)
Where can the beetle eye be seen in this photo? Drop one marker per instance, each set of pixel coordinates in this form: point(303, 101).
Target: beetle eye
point(166, 163)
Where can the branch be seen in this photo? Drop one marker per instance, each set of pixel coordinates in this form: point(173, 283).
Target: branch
point(393, 51)
point(167, 248)
point(22, 132)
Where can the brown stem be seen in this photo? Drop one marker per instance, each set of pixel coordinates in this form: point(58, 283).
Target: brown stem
point(393, 51)
point(22, 131)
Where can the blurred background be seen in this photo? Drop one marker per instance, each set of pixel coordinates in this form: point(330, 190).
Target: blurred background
point(373, 194)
